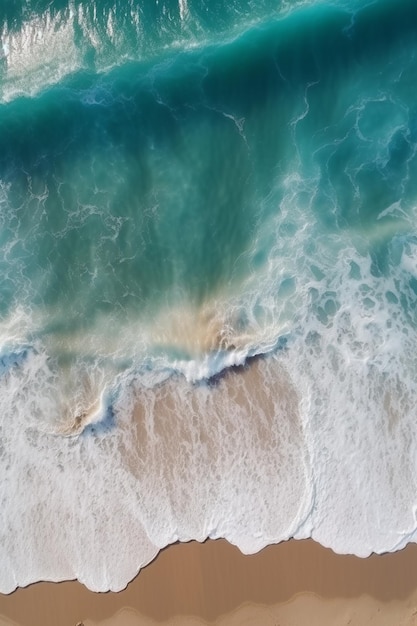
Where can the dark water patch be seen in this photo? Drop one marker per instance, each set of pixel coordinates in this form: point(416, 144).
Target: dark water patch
point(219, 377)
point(250, 360)
point(11, 360)
point(102, 427)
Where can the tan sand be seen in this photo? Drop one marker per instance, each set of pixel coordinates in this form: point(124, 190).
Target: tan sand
point(291, 584)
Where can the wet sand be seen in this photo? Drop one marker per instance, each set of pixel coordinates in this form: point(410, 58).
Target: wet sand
point(293, 583)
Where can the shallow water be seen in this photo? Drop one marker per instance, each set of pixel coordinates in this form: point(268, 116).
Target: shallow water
point(208, 280)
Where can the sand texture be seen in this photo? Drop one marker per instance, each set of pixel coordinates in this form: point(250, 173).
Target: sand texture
point(290, 584)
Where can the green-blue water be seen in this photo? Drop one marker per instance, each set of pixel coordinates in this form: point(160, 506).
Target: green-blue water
point(154, 180)
point(187, 184)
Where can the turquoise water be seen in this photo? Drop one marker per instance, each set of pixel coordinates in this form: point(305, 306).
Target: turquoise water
point(185, 186)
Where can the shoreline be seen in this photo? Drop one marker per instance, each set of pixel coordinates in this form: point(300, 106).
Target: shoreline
point(297, 582)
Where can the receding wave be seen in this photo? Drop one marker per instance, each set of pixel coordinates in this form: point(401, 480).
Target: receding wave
point(208, 260)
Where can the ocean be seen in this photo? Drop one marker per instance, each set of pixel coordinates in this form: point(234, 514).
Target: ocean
point(208, 279)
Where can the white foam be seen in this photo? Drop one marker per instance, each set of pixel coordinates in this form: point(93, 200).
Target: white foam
point(317, 439)
point(313, 440)
point(355, 378)
point(39, 54)
point(58, 496)
point(97, 506)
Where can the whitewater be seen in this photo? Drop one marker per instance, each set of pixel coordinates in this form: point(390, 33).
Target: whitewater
point(208, 280)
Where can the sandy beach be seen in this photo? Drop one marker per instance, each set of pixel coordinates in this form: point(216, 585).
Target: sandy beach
point(290, 584)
